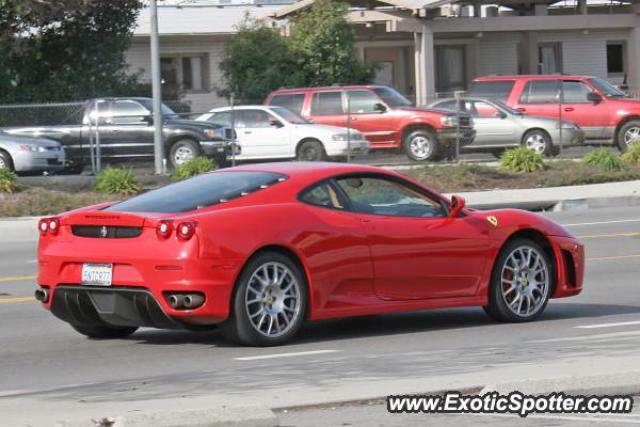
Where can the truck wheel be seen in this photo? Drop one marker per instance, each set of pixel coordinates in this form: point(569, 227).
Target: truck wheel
point(421, 145)
point(5, 161)
point(183, 150)
point(539, 142)
point(311, 151)
point(628, 134)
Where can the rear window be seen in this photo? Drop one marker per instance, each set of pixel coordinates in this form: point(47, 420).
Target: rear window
point(291, 101)
point(199, 192)
point(541, 92)
point(492, 89)
point(326, 103)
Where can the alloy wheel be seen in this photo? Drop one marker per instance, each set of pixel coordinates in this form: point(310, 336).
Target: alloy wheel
point(524, 281)
point(421, 147)
point(182, 154)
point(272, 299)
point(632, 135)
point(3, 164)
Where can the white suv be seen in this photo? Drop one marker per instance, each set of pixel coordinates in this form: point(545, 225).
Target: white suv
point(265, 132)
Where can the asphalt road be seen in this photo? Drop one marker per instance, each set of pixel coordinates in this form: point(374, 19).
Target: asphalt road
point(45, 365)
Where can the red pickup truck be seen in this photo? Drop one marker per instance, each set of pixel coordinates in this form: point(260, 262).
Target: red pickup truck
point(384, 116)
point(600, 109)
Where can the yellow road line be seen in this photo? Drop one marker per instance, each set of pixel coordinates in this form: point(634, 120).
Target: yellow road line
point(605, 258)
point(16, 278)
point(603, 236)
point(18, 299)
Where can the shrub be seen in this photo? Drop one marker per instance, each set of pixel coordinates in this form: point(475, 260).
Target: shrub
point(603, 159)
point(7, 181)
point(632, 155)
point(118, 181)
point(521, 160)
point(193, 167)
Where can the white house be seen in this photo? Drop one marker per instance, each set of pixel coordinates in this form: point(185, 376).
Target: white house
point(425, 47)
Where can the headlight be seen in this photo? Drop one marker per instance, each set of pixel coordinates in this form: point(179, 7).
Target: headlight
point(32, 147)
point(353, 136)
point(449, 121)
point(211, 133)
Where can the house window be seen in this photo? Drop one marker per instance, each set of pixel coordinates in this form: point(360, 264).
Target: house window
point(615, 59)
point(550, 58)
point(184, 73)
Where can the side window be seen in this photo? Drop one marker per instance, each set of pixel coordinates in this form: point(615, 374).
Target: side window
point(292, 102)
point(575, 92)
point(449, 105)
point(222, 118)
point(252, 119)
point(540, 92)
point(384, 197)
point(361, 101)
point(127, 111)
point(326, 103)
point(483, 110)
point(322, 195)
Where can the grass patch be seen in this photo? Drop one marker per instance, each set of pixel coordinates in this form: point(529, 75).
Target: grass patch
point(193, 167)
point(603, 159)
point(521, 160)
point(37, 201)
point(117, 180)
point(7, 181)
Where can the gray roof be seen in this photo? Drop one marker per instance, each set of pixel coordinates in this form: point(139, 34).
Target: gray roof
point(190, 20)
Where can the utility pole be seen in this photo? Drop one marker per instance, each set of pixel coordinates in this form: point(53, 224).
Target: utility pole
point(156, 89)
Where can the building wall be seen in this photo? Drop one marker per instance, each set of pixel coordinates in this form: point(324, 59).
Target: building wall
point(497, 54)
point(139, 59)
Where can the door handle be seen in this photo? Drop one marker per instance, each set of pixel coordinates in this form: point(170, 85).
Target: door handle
point(521, 109)
point(353, 119)
point(247, 132)
point(364, 219)
point(568, 109)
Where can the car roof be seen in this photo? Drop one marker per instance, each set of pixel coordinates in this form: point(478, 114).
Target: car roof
point(325, 88)
point(531, 76)
point(242, 107)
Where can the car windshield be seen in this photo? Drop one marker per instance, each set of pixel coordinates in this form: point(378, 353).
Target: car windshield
point(289, 116)
point(166, 111)
point(392, 97)
point(501, 105)
point(606, 88)
point(199, 192)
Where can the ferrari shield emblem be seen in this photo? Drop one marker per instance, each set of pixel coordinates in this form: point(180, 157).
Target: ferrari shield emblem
point(492, 220)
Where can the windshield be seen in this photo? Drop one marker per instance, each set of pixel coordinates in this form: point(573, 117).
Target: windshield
point(606, 88)
point(166, 111)
point(392, 97)
point(505, 107)
point(289, 116)
point(198, 192)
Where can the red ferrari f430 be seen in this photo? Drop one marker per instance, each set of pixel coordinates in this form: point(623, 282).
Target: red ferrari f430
point(257, 250)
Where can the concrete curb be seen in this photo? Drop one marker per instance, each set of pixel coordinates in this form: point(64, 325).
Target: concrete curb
point(247, 416)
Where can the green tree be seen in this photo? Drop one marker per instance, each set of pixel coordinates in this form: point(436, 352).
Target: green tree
point(323, 43)
point(65, 49)
point(256, 61)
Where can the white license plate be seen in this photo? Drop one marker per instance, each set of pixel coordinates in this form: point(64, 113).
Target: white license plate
point(97, 274)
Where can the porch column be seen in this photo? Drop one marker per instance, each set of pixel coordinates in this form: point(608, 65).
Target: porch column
point(424, 66)
point(582, 7)
point(633, 51)
point(417, 60)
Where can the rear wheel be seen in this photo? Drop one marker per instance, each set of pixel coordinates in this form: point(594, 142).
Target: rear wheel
point(539, 142)
point(628, 134)
point(520, 283)
point(6, 162)
point(311, 151)
point(104, 332)
point(182, 151)
point(269, 303)
point(421, 145)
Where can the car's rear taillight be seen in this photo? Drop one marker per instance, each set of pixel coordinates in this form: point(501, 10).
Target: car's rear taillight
point(165, 228)
point(186, 230)
point(49, 225)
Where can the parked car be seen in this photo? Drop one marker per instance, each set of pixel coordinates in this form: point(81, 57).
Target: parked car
point(600, 109)
point(269, 246)
point(126, 129)
point(387, 119)
point(499, 126)
point(24, 154)
point(266, 132)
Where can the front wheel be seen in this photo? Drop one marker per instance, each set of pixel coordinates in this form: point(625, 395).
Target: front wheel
point(311, 151)
point(182, 151)
point(421, 145)
point(629, 134)
point(5, 161)
point(521, 282)
point(104, 332)
point(269, 302)
point(539, 142)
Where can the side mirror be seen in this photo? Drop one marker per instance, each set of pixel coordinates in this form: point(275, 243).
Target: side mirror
point(501, 114)
point(594, 97)
point(380, 108)
point(148, 118)
point(275, 123)
point(457, 204)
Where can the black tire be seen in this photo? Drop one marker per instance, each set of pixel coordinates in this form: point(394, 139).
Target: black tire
point(104, 332)
point(6, 161)
point(539, 142)
point(498, 307)
point(311, 151)
point(422, 145)
point(624, 135)
point(183, 150)
point(239, 327)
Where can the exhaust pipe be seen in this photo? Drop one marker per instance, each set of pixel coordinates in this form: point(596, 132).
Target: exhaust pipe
point(42, 295)
point(176, 301)
point(193, 301)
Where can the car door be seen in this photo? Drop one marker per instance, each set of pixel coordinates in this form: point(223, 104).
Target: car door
point(418, 252)
point(592, 117)
point(261, 135)
point(327, 108)
point(540, 98)
point(127, 131)
point(369, 115)
point(493, 126)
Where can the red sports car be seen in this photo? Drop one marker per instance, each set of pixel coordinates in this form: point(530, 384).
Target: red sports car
point(258, 249)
